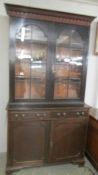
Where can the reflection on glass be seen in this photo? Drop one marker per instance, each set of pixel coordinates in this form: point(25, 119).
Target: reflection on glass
point(62, 54)
point(70, 38)
point(31, 43)
point(61, 70)
point(76, 63)
point(38, 89)
point(31, 32)
point(38, 70)
point(60, 89)
point(39, 53)
point(76, 39)
point(77, 54)
point(24, 33)
point(74, 89)
point(66, 89)
point(37, 34)
point(35, 52)
point(22, 89)
point(75, 70)
point(23, 51)
point(22, 69)
point(64, 38)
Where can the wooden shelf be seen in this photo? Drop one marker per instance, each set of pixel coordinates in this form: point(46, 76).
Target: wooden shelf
point(31, 41)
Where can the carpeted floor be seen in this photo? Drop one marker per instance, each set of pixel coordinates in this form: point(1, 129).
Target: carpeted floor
point(66, 169)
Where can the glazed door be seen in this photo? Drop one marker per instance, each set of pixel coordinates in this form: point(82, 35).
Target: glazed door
point(47, 62)
point(31, 55)
point(30, 142)
point(67, 139)
point(68, 62)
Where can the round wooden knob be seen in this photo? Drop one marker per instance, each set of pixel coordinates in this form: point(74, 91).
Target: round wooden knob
point(16, 115)
point(38, 114)
point(64, 113)
point(78, 113)
point(83, 113)
point(23, 115)
point(58, 113)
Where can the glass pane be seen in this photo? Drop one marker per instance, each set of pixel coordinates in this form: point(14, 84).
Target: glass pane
point(77, 54)
point(35, 52)
point(31, 43)
point(38, 71)
point(64, 37)
point(76, 63)
point(24, 33)
point(37, 34)
point(39, 53)
point(38, 89)
point(76, 39)
point(66, 89)
point(74, 89)
point(22, 69)
point(22, 89)
point(75, 70)
point(30, 32)
point(62, 54)
point(23, 50)
point(60, 89)
point(61, 70)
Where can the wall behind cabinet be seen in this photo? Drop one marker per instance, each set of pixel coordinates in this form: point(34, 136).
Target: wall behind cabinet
point(91, 94)
point(4, 84)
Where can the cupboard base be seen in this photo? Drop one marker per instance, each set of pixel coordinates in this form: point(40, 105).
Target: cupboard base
point(10, 170)
point(51, 136)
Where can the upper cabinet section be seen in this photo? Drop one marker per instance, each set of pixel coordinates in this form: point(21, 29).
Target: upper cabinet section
point(47, 56)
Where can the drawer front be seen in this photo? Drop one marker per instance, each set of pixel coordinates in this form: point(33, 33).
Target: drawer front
point(64, 114)
point(46, 115)
point(16, 115)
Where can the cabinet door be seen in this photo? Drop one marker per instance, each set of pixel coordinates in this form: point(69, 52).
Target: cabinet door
point(67, 139)
point(29, 142)
point(69, 61)
point(30, 60)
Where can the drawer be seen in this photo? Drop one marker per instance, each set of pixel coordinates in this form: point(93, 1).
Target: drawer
point(59, 114)
point(28, 115)
point(62, 114)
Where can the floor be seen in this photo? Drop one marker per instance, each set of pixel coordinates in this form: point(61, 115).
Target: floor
point(66, 169)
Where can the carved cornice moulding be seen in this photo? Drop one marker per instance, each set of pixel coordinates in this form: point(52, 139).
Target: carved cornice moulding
point(47, 15)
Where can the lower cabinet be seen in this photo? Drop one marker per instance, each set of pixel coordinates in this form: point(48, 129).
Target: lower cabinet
point(67, 139)
point(45, 137)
